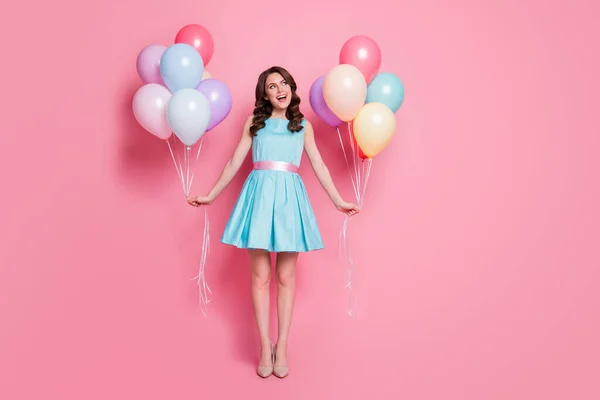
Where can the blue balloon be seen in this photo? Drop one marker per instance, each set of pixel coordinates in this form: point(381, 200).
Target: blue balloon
point(386, 88)
point(181, 67)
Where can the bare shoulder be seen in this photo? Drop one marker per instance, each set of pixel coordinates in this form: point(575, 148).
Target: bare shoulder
point(246, 129)
point(308, 128)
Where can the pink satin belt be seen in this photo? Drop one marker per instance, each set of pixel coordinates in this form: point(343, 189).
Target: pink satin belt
point(276, 166)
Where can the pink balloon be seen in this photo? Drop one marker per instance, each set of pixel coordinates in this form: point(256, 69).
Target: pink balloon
point(148, 63)
point(198, 37)
point(345, 91)
point(362, 52)
point(150, 109)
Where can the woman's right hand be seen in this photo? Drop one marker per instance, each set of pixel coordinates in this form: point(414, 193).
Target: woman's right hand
point(200, 201)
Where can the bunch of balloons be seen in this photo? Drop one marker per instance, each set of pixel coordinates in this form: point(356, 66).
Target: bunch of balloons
point(355, 92)
point(179, 95)
point(180, 99)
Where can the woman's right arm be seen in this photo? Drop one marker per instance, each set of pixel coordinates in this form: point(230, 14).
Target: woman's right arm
point(231, 168)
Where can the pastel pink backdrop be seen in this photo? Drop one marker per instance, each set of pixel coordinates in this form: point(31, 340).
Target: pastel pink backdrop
point(477, 246)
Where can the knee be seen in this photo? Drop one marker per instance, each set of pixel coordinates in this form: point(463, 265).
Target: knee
point(261, 279)
point(286, 278)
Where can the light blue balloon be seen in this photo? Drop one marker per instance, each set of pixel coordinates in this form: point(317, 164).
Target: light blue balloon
point(188, 115)
point(181, 67)
point(386, 88)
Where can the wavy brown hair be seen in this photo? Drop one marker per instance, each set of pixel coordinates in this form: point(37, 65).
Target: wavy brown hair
point(263, 107)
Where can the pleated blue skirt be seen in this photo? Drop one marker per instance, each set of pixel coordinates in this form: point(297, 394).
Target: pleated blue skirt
point(273, 213)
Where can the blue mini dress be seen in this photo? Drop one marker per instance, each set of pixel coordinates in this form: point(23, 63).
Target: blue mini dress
point(273, 211)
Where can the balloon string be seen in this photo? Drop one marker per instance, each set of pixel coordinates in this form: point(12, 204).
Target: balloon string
point(354, 163)
point(204, 291)
point(179, 173)
point(367, 166)
point(343, 241)
point(199, 147)
point(362, 173)
point(188, 151)
point(181, 169)
point(347, 163)
point(195, 161)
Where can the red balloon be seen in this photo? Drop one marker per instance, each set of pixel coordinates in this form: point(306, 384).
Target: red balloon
point(363, 53)
point(361, 154)
point(198, 37)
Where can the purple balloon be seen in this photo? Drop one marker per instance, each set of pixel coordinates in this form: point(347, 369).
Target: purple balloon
point(219, 98)
point(318, 104)
point(148, 63)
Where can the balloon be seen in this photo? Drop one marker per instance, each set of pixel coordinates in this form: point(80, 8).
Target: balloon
point(374, 127)
point(199, 38)
point(181, 67)
point(149, 108)
point(318, 104)
point(206, 75)
point(188, 114)
point(219, 97)
point(148, 63)
point(361, 154)
point(345, 91)
point(362, 52)
point(386, 88)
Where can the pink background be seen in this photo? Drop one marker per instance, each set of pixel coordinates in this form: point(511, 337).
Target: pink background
point(477, 246)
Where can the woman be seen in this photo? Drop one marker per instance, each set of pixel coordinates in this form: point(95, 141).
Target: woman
point(273, 212)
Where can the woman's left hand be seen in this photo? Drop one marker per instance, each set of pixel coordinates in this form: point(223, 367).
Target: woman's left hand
point(348, 208)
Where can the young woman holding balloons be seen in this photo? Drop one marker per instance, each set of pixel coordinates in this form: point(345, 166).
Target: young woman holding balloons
point(273, 213)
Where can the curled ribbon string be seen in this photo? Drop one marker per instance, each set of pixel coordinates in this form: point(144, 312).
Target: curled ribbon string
point(204, 291)
point(349, 270)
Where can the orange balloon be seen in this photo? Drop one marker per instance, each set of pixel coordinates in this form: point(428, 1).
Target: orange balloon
point(374, 127)
point(206, 74)
point(345, 91)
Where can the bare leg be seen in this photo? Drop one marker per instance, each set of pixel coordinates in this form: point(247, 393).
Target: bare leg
point(260, 263)
point(286, 290)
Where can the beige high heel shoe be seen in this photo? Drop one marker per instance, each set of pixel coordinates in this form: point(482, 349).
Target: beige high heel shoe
point(280, 371)
point(265, 372)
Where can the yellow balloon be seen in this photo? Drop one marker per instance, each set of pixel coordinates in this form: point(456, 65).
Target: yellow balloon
point(374, 127)
point(345, 91)
point(206, 75)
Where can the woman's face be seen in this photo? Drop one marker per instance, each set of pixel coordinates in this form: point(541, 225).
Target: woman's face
point(278, 92)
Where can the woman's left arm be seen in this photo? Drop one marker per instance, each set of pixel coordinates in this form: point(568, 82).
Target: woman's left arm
point(322, 172)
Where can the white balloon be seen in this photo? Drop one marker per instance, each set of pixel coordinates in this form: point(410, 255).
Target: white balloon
point(188, 114)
